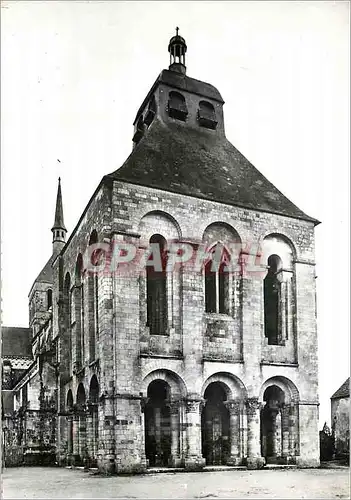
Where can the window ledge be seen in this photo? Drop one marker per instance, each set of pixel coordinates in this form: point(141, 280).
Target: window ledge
point(161, 356)
point(279, 363)
point(218, 316)
point(221, 360)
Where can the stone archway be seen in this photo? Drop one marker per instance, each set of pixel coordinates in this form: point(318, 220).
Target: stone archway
point(93, 421)
point(79, 427)
point(163, 413)
point(223, 419)
point(69, 421)
point(279, 421)
point(158, 424)
point(215, 424)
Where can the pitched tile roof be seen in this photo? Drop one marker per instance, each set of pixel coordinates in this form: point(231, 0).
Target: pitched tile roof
point(46, 274)
point(343, 391)
point(16, 341)
point(185, 160)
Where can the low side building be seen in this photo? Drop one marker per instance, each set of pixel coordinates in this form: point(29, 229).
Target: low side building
point(340, 418)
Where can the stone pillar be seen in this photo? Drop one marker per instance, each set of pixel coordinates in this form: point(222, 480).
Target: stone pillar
point(254, 458)
point(285, 431)
point(273, 431)
point(193, 459)
point(69, 438)
point(174, 411)
point(83, 437)
point(108, 457)
point(293, 430)
point(158, 436)
point(233, 407)
point(75, 433)
point(278, 434)
point(90, 434)
point(95, 432)
point(243, 432)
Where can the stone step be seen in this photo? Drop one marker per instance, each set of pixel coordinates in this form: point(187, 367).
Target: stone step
point(207, 468)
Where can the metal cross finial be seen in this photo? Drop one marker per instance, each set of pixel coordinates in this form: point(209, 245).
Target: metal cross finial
point(177, 29)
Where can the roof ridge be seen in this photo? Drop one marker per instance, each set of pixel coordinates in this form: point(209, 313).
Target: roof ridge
point(343, 391)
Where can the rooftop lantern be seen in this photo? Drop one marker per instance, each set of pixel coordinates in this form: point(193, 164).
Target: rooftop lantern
point(177, 48)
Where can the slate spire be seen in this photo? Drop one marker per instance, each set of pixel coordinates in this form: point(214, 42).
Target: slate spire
point(59, 229)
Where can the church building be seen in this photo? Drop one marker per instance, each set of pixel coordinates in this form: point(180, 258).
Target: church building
point(176, 325)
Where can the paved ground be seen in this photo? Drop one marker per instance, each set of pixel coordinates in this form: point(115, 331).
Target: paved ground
point(66, 483)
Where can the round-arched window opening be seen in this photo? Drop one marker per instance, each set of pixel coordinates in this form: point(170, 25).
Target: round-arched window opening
point(206, 115)
point(177, 106)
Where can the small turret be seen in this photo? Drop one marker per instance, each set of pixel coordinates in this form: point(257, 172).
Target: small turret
point(177, 49)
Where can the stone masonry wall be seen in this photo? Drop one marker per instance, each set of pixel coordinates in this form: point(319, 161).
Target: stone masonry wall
point(130, 205)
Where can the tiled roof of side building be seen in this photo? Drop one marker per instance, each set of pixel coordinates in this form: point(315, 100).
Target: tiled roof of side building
point(16, 341)
point(343, 391)
point(187, 161)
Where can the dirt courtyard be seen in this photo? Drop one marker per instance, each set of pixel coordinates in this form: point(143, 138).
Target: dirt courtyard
point(40, 482)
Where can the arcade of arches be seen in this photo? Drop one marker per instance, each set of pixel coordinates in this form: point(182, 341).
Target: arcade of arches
point(221, 427)
point(82, 425)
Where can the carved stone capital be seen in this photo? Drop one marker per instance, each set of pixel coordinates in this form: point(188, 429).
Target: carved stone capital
point(92, 407)
point(174, 407)
point(143, 403)
point(233, 406)
point(252, 406)
point(193, 405)
point(285, 410)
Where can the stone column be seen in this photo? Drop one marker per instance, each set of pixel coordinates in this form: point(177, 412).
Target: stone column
point(69, 438)
point(193, 459)
point(282, 318)
point(95, 431)
point(107, 464)
point(75, 435)
point(233, 407)
point(158, 436)
point(174, 411)
point(285, 431)
point(90, 433)
point(83, 436)
point(254, 458)
point(273, 430)
point(278, 434)
point(293, 430)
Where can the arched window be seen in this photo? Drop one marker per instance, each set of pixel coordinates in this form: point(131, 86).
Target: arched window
point(177, 106)
point(151, 111)
point(93, 291)
point(216, 281)
point(272, 301)
point(49, 298)
point(156, 286)
point(206, 115)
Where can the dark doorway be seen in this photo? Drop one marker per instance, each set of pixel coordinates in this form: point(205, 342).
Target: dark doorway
point(215, 426)
point(158, 425)
point(271, 424)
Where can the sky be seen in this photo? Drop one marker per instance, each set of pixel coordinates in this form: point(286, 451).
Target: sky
point(75, 73)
